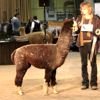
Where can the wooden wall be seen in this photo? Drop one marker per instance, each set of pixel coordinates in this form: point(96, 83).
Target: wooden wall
point(9, 7)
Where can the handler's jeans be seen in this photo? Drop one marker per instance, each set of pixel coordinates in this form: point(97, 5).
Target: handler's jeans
point(85, 53)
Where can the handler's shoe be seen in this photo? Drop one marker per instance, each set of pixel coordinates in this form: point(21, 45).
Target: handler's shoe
point(84, 87)
point(94, 87)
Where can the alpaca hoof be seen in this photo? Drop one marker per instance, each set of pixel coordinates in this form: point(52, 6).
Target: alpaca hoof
point(45, 93)
point(20, 92)
point(55, 90)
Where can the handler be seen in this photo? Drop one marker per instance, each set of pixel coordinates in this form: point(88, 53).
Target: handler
point(87, 25)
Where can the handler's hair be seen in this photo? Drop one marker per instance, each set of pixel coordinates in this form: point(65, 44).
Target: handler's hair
point(88, 6)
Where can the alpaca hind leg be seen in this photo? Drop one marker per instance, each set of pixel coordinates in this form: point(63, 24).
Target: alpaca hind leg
point(19, 80)
point(53, 81)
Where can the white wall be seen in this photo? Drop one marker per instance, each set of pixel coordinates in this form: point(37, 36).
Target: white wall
point(97, 8)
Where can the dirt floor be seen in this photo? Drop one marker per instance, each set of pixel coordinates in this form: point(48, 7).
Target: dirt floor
point(68, 79)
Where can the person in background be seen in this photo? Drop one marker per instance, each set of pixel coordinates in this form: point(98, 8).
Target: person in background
point(0, 27)
point(16, 23)
point(9, 28)
point(86, 25)
point(35, 26)
point(28, 25)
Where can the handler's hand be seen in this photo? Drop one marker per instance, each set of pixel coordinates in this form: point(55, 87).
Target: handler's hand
point(75, 27)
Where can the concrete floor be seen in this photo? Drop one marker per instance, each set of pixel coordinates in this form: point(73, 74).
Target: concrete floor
point(68, 79)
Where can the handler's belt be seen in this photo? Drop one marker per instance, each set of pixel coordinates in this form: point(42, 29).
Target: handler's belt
point(85, 38)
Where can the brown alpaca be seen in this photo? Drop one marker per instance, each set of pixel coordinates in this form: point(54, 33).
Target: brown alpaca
point(43, 56)
point(35, 37)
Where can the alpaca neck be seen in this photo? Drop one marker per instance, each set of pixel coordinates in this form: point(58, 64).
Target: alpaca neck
point(63, 46)
point(22, 33)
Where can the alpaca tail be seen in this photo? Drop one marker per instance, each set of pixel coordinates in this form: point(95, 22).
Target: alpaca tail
point(12, 56)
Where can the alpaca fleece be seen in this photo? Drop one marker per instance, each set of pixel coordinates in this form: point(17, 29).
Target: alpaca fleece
point(44, 56)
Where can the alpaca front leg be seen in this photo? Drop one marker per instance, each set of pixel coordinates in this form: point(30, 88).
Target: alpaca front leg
point(55, 89)
point(46, 84)
point(19, 90)
point(53, 81)
point(45, 88)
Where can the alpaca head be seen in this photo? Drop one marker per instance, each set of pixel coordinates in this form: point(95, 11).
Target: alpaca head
point(22, 31)
point(67, 25)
